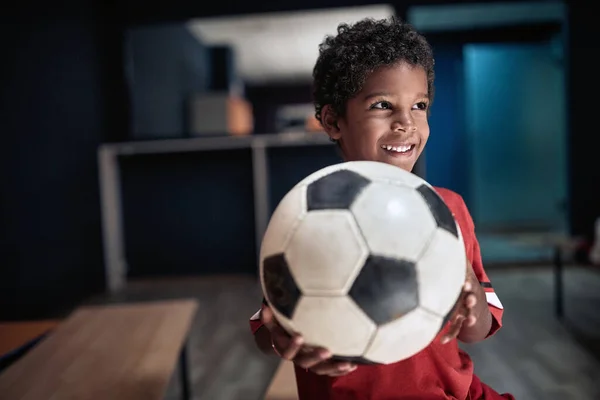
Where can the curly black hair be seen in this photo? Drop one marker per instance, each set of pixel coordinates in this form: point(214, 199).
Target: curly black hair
point(346, 59)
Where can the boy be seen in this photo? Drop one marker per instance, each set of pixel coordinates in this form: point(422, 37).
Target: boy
point(373, 85)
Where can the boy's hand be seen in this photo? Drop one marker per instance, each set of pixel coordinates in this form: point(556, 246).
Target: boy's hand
point(464, 315)
point(292, 348)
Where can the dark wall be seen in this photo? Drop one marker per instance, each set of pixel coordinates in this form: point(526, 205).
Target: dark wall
point(193, 213)
point(165, 65)
point(189, 214)
point(267, 98)
point(52, 120)
point(289, 165)
point(139, 11)
point(582, 87)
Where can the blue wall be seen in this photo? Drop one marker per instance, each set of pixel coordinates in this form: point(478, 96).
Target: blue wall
point(517, 134)
point(446, 153)
point(498, 132)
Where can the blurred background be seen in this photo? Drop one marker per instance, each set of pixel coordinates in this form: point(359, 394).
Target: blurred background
point(145, 146)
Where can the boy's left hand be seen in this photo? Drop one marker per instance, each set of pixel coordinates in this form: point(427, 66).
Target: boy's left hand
point(464, 315)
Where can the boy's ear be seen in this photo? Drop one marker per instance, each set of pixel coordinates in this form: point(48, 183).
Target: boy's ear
point(329, 120)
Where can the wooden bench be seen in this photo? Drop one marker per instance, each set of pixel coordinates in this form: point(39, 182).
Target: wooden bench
point(283, 384)
point(127, 351)
point(14, 334)
point(17, 337)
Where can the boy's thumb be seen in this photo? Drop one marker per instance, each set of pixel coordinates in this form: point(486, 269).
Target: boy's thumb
point(266, 316)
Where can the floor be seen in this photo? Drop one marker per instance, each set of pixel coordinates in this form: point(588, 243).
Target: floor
point(534, 356)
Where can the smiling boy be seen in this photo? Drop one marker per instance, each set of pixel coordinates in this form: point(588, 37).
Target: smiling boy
point(373, 86)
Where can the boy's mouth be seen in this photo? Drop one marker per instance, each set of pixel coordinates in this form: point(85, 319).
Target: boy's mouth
point(399, 149)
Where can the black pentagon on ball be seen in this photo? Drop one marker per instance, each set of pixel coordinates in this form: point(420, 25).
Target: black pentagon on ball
point(439, 209)
point(386, 288)
point(337, 190)
point(279, 285)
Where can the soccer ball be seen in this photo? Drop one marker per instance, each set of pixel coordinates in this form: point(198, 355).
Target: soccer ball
point(364, 259)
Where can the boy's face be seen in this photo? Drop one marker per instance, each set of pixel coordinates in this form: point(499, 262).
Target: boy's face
point(387, 120)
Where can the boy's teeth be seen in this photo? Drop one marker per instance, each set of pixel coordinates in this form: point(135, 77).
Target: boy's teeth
point(398, 149)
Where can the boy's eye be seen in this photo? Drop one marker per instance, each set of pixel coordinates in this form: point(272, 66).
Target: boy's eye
point(382, 105)
point(420, 106)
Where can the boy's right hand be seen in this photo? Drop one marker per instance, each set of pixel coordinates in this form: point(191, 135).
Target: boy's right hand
point(292, 348)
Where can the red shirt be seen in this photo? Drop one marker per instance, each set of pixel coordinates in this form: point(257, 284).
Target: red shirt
point(440, 371)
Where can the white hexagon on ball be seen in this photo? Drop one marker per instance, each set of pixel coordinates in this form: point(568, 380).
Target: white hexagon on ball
point(395, 220)
point(404, 337)
point(444, 260)
point(289, 212)
point(326, 252)
point(335, 323)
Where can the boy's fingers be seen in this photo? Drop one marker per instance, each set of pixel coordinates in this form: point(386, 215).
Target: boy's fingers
point(471, 320)
point(333, 368)
point(468, 286)
point(266, 316)
point(313, 357)
point(287, 346)
point(470, 301)
point(341, 373)
point(454, 329)
point(294, 345)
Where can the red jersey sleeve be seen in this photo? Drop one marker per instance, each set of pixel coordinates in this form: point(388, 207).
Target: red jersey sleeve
point(474, 256)
point(458, 207)
point(494, 304)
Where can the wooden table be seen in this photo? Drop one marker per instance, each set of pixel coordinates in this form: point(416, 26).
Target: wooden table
point(126, 351)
